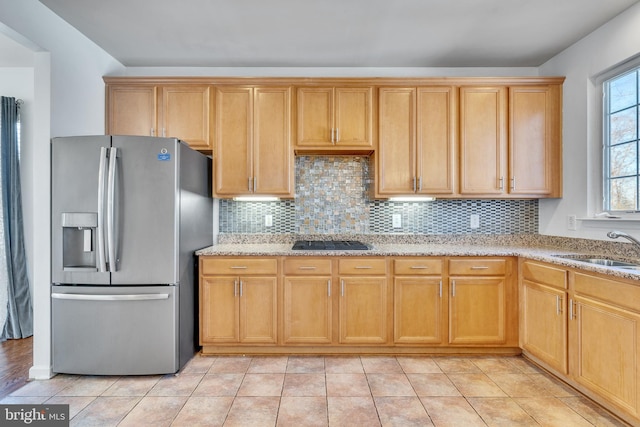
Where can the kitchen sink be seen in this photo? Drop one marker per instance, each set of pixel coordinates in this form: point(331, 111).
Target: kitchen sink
point(605, 262)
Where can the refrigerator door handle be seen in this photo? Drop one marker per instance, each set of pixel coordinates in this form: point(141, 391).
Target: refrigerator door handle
point(102, 259)
point(90, 297)
point(113, 155)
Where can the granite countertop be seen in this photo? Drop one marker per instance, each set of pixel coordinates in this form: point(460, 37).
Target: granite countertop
point(535, 248)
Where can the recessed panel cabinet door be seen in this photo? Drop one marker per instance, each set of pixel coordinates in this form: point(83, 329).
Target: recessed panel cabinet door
point(397, 141)
point(483, 140)
point(233, 137)
point(272, 154)
point(307, 310)
point(353, 122)
point(315, 116)
point(418, 310)
point(219, 310)
point(436, 153)
point(544, 324)
point(185, 113)
point(258, 309)
point(605, 349)
point(477, 310)
point(132, 110)
point(363, 310)
point(535, 141)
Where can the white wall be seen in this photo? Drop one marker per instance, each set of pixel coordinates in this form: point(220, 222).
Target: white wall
point(68, 100)
point(612, 44)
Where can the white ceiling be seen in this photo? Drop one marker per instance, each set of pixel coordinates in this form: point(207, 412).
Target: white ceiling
point(336, 33)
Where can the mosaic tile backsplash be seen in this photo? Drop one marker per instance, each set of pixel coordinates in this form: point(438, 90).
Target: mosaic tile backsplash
point(331, 197)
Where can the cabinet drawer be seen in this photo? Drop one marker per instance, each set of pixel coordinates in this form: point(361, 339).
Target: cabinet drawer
point(544, 274)
point(307, 266)
point(477, 267)
point(417, 266)
point(239, 266)
point(362, 266)
point(613, 291)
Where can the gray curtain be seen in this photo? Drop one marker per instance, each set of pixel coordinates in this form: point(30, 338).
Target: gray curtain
point(19, 322)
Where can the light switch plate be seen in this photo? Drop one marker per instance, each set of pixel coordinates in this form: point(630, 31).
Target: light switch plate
point(572, 222)
point(474, 221)
point(268, 220)
point(397, 220)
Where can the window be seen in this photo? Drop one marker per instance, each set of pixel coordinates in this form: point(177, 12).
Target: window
point(621, 151)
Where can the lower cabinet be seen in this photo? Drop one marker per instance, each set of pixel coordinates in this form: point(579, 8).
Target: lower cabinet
point(586, 329)
point(479, 289)
point(364, 301)
point(604, 340)
point(418, 315)
point(307, 294)
point(240, 307)
point(543, 319)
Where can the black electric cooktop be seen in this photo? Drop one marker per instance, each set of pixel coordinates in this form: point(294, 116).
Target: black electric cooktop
point(329, 245)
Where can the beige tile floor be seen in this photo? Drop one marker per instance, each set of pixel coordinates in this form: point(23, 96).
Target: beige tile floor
point(325, 391)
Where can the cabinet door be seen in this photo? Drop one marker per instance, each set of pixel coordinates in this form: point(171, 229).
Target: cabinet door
point(307, 310)
point(272, 153)
point(353, 116)
point(258, 310)
point(233, 132)
point(535, 141)
point(477, 310)
point(396, 160)
point(604, 351)
point(483, 140)
point(131, 110)
point(544, 324)
point(219, 310)
point(185, 113)
point(315, 116)
point(436, 140)
point(418, 310)
point(363, 310)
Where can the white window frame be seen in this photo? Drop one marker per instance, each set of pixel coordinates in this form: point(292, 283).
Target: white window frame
point(601, 80)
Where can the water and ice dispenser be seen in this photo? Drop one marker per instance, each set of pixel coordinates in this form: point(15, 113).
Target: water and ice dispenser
point(79, 241)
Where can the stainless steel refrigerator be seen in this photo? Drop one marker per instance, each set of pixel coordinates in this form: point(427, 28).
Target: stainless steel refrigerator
point(128, 213)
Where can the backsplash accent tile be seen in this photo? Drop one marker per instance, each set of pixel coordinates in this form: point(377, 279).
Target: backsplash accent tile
point(331, 198)
point(453, 216)
point(330, 194)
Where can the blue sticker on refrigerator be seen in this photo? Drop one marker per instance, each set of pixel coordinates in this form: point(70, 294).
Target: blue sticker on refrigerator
point(164, 156)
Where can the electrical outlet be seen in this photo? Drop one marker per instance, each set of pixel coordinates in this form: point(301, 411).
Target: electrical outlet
point(268, 220)
point(572, 222)
point(474, 221)
point(397, 220)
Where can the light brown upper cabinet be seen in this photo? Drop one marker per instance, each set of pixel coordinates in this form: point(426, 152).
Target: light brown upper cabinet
point(510, 141)
point(253, 154)
point(535, 142)
point(180, 111)
point(417, 141)
point(334, 118)
point(483, 141)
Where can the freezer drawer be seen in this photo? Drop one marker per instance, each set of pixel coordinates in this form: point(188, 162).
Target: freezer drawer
point(115, 331)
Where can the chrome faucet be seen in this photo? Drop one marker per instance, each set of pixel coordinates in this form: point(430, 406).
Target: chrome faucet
point(616, 234)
